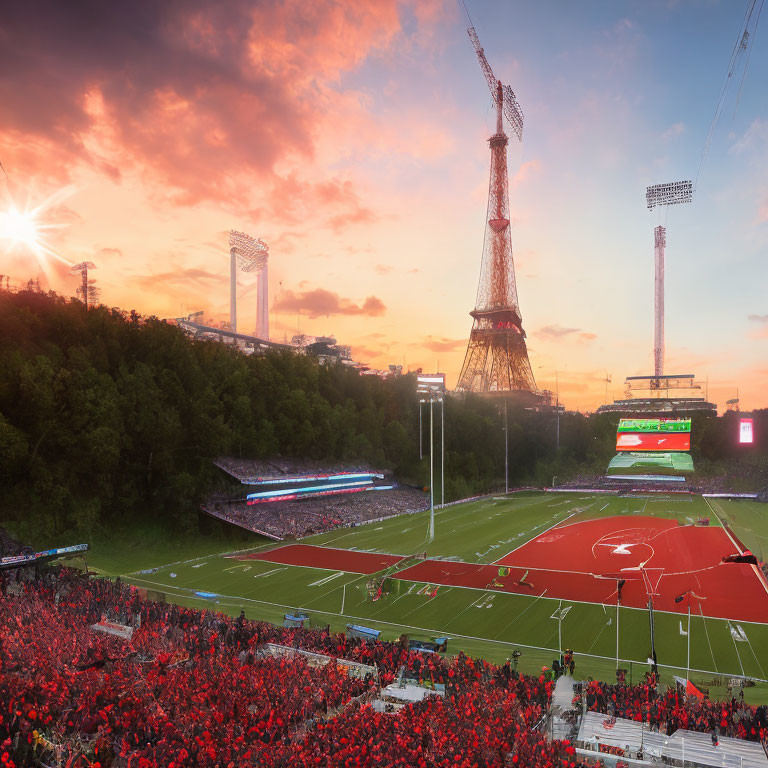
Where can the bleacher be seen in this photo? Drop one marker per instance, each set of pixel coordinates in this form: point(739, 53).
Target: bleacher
point(681, 748)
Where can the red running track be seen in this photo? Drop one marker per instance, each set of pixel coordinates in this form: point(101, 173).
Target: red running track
point(325, 557)
point(582, 562)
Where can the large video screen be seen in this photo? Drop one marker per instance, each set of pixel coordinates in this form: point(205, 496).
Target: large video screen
point(745, 431)
point(654, 425)
point(660, 441)
point(666, 464)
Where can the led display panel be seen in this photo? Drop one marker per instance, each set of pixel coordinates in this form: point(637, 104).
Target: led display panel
point(654, 425)
point(745, 431)
point(659, 441)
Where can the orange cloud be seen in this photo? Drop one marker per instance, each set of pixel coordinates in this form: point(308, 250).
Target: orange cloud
point(322, 303)
point(441, 344)
point(195, 94)
point(556, 332)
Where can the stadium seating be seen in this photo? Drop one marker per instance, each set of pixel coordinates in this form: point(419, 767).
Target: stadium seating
point(190, 689)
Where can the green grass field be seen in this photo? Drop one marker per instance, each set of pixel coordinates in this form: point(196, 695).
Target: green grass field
point(487, 623)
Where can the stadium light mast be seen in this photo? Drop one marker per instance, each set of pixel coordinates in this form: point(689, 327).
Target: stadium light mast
point(248, 254)
point(431, 388)
point(506, 450)
point(442, 452)
point(86, 290)
point(660, 195)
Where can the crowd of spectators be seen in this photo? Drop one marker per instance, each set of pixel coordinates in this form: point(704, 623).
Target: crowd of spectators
point(250, 470)
point(302, 517)
point(671, 710)
point(190, 688)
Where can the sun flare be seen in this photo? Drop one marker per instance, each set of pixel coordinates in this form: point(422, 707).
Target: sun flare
point(19, 228)
point(28, 228)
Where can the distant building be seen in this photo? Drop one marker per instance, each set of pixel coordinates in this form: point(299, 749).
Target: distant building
point(676, 394)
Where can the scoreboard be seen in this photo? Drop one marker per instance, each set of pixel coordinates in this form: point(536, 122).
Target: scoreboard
point(653, 435)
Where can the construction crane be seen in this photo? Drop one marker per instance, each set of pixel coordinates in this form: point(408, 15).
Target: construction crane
point(499, 92)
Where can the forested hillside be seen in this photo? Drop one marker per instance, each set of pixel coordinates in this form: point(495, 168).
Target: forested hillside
point(108, 417)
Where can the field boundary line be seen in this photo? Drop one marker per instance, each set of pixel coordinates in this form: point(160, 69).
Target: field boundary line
point(226, 552)
point(758, 574)
point(719, 520)
point(430, 630)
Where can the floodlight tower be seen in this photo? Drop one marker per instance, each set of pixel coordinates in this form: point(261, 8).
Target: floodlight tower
point(430, 389)
point(496, 362)
point(247, 254)
point(675, 193)
point(86, 291)
point(659, 243)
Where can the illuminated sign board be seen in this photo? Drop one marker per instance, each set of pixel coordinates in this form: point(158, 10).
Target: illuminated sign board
point(745, 431)
point(660, 441)
point(430, 384)
point(654, 425)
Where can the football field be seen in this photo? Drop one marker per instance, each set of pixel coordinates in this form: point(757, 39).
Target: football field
point(532, 571)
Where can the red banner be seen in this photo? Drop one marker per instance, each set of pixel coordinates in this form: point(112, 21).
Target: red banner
point(643, 441)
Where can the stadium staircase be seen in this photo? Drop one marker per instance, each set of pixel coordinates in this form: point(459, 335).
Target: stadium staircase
point(562, 719)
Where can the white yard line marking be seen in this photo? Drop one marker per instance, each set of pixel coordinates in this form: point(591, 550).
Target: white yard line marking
point(519, 615)
point(749, 642)
point(733, 640)
point(706, 632)
point(321, 582)
point(597, 637)
point(471, 605)
point(267, 573)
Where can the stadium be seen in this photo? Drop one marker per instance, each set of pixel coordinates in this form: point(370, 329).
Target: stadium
point(530, 571)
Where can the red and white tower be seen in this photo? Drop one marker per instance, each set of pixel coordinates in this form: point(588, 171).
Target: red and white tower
point(497, 362)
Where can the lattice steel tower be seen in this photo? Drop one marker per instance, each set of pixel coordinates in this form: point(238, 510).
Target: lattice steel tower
point(497, 362)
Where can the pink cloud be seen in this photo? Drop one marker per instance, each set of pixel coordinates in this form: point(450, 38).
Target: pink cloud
point(322, 303)
point(194, 94)
point(525, 172)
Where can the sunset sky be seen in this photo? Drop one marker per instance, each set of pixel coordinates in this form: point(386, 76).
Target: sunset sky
point(352, 137)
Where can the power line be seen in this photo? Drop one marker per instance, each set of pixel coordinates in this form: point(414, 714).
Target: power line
point(749, 53)
point(742, 44)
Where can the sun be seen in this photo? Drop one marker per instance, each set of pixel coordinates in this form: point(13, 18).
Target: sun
point(27, 228)
point(19, 228)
